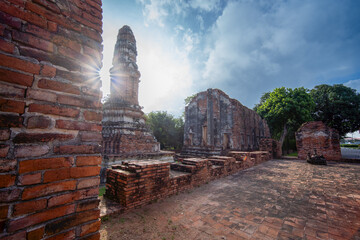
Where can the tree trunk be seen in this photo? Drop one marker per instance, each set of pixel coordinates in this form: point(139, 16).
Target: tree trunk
point(283, 135)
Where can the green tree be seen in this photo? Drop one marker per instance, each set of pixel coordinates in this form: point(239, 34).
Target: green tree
point(285, 109)
point(167, 129)
point(337, 106)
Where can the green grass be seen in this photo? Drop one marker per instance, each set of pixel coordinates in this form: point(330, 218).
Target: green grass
point(102, 191)
point(350, 145)
point(294, 154)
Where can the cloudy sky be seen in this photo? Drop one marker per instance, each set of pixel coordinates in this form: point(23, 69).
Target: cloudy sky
point(244, 47)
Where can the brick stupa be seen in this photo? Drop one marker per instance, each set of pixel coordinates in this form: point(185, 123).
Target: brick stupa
point(125, 134)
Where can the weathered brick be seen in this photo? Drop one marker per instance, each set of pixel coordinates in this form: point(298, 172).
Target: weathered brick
point(33, 41)
point(10, 20)
point(76, 125)
point(9, 195)
point(61, 236)
point(40, 217)
point(29, 207)
point(44, 163)
point(54, 59)
point(31, 151)
point(7, 180)
point(55, 110)
point(69, 53)
point(41, 137)
point(56, 175)
point(6, 46)
point(41, 95)
point(77, 149)
point(90, 136)
point(36, 234)
point(38, 122)
point(7, 165)
point(10, 121)
point(92, 116)
point(52, 26)
point(30, 179)
point(47, 189)
point(49, 5)
point(71, 221)
point(11, 91)
point(63, 41)
point(48, 71)
point(7, 105)
point(19, 64)
point(4, 134)
point(88, 160)
point(70, 76)
point(4, 209)
point(58, 86)
point(95, 236)
point(16, 236)
point(63, 199)
point(90, 182)
point(90, 228)
point(91, 33)
point(39, 32)
point(79, 172)
point(71, 100)
point(15, 77)
point(4, 149)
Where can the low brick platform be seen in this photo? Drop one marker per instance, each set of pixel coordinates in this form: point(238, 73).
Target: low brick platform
point(139, 182)
point(279, 199)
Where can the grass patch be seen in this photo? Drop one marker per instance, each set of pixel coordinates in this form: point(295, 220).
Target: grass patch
point(294, 154)
point(102, 191)
point(350, 145)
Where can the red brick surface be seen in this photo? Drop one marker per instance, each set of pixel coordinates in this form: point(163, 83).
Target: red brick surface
point(48, 105)
point(138, 183)
point(317, 137)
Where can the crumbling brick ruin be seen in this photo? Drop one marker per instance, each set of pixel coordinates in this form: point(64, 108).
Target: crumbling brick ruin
point(125, 135)
point(316, 137)
point(137, 183)
point(215, 124)
point(50, 119)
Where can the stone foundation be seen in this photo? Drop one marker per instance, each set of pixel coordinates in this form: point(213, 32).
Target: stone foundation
point(316, 136)
point(134, 184)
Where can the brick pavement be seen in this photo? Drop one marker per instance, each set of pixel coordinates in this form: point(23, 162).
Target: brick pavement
point(279, 199)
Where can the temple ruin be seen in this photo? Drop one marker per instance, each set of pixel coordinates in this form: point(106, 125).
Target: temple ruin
point(125, 134)
point(216, 124)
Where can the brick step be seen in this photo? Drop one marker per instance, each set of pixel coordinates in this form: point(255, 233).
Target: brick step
point(175, 174)
point(182, 167)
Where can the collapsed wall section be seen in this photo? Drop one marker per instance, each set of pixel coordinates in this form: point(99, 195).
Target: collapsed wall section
point(50, 119)
point(319, 139)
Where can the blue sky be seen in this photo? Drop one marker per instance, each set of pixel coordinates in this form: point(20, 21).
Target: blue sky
point(244, 48)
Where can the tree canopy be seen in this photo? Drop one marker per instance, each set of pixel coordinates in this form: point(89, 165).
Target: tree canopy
point(337, 106)
point(167, 129)
point(285, 109)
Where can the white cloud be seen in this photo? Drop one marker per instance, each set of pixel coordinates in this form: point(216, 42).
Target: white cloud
point(355, 84)
point(256, 46)
point(208, 5)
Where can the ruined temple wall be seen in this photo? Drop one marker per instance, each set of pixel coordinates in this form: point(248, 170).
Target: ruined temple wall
point(134, 184)
point(316, 136)
point(50, 119)
point(226, 123)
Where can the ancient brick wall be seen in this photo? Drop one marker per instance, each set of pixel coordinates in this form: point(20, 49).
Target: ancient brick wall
point(272, 146)
point(215, 124)
point(137, 183)
point(50, 118)
point(316, 136)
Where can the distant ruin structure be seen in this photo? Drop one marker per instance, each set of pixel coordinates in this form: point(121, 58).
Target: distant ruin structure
point(125, 134)
point(317, 138)
point(216, 124)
